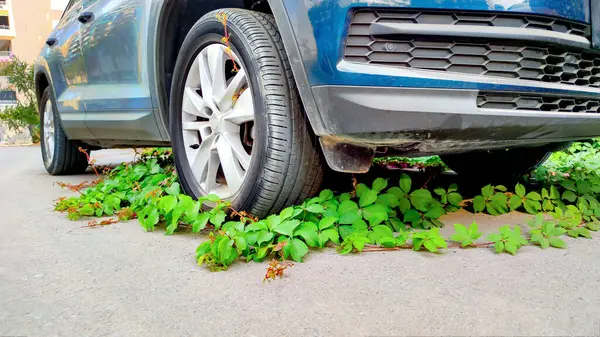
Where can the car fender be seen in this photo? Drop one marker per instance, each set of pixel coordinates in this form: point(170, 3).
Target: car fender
point(301, 47)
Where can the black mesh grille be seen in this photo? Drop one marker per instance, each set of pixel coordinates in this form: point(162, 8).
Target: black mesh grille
point(510, 59)
point(513, 101)
point(362, 19)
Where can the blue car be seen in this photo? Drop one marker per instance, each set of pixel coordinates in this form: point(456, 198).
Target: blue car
point(259, 97)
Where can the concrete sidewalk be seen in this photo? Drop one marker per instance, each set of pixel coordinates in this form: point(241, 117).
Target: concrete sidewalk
point(121, 281)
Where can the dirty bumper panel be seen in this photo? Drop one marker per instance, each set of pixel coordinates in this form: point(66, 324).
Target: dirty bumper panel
point(440, 120)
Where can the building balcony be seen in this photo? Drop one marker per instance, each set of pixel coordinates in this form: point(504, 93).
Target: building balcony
point(6, 32)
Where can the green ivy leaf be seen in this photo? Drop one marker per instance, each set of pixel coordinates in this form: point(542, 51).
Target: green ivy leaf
point(361, 189)
point(547, 205)
point(520, 190)
point(461, 235)
point(412, 215)
point(315, 208)
point(430, 246)
point(405, 183)
point(388, 200)
point(326, 195)
point(255, 226)
point(344, 197)
point(439, 191)
point(86, 210)
point(345, 249)
point(217, 218)
point(421, 199)
point(298, 249)
point(474, 233)
point(347, 206)
point(380, 232)
point(593, 226)
point(349, 218)
point(554, 194)
point(308, 231)
point(379, 184)
point(150, 219)
point(534, 196)
point(557, 243)
point(499, 202)
point(397, 192)
point(515, 202)
point(200, 222)
point(404, 204)
point(326, 223)
point(167, 203)
point(367, 198)
point(173, 190)
point(287, 227)
point(532, 206)
point(569, 185)
point(375, 214)
point(455, 199)
point(327, 235)
point(487, 191)
point(478, 204)
point(569, 196)
point(499, 247)
point(510, 247)
point(435, 212)
point(287, 213)
point(397, 224)
point(273, 221)
point(359, 243)
point(263, 236)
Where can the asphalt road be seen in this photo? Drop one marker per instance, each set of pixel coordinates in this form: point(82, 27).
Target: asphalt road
point(121, 281)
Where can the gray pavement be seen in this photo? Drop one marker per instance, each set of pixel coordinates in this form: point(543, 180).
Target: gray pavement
point(121, 281)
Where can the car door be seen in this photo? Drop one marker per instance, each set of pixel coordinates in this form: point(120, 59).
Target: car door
point(118, 101)
point(67, 69)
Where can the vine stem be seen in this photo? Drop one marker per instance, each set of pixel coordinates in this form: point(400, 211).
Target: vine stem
point(375, 248)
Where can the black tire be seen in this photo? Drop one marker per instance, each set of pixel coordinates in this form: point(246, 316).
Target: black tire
point(66, 158)
point(498, 166)
point(287, 166)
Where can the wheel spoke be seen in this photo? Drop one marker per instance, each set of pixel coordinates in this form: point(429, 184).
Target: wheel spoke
point(205, 80)
point(216, 63)
point(211, 174)
point(202, 127)
point(194, 104)
point(234, 174)
point(204, 154)
point(233, 139)
point(243, 110)
point(225, 101)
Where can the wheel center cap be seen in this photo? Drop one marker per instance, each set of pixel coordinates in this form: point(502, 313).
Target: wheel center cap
point(216, 122)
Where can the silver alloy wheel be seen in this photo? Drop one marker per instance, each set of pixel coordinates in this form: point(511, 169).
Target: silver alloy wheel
point(216, 111)
point(49, 132)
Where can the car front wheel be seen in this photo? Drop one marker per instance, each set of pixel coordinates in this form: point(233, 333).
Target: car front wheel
point(236, 124)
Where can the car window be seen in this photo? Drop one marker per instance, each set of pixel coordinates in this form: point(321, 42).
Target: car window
point(73, 4)
point(88, 3)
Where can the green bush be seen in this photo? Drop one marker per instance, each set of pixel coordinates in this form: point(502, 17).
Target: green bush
point(24, 114)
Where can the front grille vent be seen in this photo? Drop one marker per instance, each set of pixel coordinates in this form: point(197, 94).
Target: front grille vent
point(514, 101)
point(499, 58)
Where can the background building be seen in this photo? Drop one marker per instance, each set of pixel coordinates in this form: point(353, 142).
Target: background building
point(25, 25)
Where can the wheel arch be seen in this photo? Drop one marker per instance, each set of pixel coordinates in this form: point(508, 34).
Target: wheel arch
point(42, 81)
